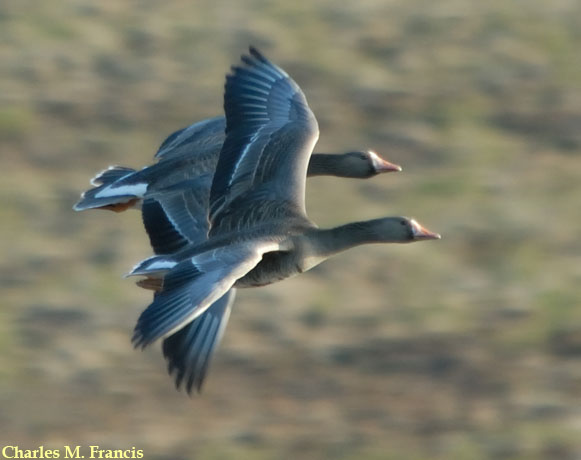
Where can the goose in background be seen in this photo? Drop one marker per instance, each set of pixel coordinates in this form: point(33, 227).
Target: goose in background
point(193, 152)
point(259, 232)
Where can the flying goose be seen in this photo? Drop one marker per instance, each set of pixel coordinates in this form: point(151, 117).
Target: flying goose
point(192, 152)
point(259, 230)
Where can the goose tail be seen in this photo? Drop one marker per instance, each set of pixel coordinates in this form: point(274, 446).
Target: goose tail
point(115, 188)
point(154, 265)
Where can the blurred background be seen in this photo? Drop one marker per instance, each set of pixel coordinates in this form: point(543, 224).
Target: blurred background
point(464, 348)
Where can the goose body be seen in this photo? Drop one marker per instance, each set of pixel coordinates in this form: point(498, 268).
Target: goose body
point(259, 232)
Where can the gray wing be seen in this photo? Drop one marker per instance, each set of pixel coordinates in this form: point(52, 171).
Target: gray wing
point(188, 140)
point(189, 351)
point(177, 216)
point(192, 285)
point(270, 134)
point(175, 207)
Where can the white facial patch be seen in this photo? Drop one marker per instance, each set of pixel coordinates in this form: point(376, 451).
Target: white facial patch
point(416, 228)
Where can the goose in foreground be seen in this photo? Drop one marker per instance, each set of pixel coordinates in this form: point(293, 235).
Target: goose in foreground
point(259, 229)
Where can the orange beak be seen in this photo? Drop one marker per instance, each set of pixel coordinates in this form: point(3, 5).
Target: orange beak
point(380, 165)
point(421, 233)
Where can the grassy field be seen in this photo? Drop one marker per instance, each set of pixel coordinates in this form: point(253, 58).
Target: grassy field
point(465, 348)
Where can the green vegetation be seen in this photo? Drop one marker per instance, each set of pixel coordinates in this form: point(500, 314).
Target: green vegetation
point(466, 348)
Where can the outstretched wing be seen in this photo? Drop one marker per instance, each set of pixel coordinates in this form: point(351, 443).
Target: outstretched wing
point(192, 285)
point(175, 208)
point(270, 134)
point(177, 216)
point(189, 351)
point(189, 140)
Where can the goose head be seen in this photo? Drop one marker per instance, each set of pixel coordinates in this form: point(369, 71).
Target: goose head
point(400, 230)
point(367, 163)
